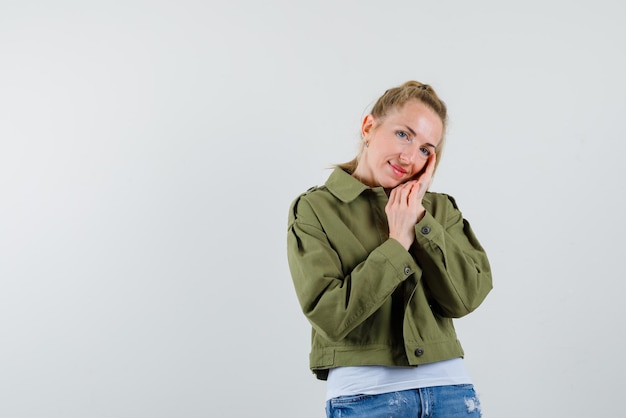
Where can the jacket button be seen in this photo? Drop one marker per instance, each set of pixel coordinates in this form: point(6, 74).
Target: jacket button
point(425, 230)
point(419, 352)
point(407, 270)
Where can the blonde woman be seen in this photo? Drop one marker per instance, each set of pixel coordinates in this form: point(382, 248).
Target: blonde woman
point(381, 266)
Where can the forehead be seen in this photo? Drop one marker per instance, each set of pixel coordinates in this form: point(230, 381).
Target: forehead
point(419, 118)
point(413, 108)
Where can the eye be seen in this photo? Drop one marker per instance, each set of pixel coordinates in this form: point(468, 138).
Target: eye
point(425, 151)
point(403, 135)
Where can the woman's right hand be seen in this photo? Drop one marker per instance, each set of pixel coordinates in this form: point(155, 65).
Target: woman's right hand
point(403, 212)
point(405, 208)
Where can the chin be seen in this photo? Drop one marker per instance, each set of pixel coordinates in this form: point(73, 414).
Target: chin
point(391, 184)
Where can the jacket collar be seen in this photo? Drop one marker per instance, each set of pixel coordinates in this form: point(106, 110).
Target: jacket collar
point(345, 187)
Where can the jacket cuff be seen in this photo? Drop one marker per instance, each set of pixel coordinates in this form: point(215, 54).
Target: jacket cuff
point(429, 232)
point(399, 258)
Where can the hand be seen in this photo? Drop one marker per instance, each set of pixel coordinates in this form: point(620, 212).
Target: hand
point(405, 207)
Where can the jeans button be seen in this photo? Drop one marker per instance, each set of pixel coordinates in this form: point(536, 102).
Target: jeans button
point(419, 352)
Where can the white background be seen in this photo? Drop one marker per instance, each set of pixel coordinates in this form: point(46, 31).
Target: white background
point(150, 150)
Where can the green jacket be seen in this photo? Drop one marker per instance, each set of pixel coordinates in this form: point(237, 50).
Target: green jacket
point(369, 301)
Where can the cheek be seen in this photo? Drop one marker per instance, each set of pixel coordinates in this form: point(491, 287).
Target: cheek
point(390, 149)
point(419, 166)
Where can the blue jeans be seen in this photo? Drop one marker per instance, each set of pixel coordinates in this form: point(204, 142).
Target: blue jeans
point(452, 401)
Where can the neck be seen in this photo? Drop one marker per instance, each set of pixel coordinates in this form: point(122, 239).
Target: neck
point(357, 174)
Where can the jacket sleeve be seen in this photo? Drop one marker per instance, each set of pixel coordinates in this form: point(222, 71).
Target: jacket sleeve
point(336, 301)
point(455, 268)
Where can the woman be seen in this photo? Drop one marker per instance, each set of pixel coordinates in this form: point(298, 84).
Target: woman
point(381, 266)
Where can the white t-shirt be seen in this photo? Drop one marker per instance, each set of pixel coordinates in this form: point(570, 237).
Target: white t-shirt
point(374, 380)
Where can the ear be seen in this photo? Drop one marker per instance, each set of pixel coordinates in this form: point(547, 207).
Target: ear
point(368, 123)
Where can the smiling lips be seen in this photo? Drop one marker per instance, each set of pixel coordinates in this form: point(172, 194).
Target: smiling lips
point(397, 170)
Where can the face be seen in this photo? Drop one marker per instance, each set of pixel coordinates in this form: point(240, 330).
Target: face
point(398, 145)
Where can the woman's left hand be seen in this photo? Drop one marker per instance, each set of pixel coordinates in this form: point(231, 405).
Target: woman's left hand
point(423, 182)
point(405, 207)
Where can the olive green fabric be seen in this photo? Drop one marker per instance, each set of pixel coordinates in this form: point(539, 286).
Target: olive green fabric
point(369, 301)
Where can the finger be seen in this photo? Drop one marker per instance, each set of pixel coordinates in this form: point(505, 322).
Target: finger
point(400, 194)
point(411, 189)
point(426, 178)
point(419, 189)
point(403, 193)
point(423, 187)
point(430, 165)
point(395, 196)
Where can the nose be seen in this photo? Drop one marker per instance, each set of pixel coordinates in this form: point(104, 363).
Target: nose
point(409, 154)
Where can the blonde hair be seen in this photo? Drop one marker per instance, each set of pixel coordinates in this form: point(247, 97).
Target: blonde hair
point(395, 98)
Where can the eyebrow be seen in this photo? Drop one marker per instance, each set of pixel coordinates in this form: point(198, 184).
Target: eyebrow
point(414, 134)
